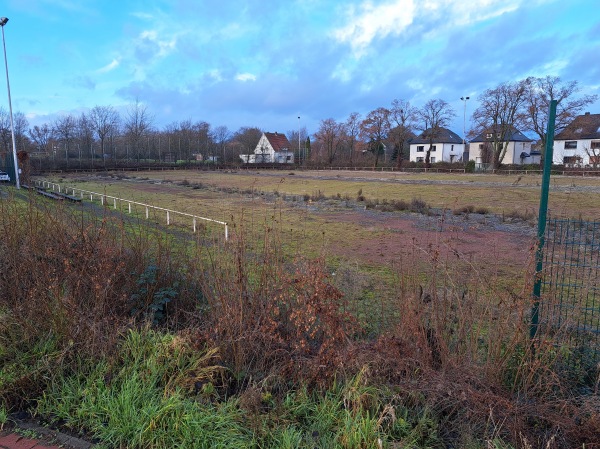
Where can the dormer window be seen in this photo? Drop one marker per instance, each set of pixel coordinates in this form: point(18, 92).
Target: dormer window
point(579, 130)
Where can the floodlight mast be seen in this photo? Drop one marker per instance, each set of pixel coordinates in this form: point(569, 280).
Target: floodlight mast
point(4, 21)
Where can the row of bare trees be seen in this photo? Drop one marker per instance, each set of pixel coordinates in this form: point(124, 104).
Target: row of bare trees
point(510, 106)
point(103, 134)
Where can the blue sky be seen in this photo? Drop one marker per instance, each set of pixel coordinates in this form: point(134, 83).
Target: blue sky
point(264, 63)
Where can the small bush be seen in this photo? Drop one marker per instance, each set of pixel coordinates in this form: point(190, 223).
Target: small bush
point(470, 167)
point(317, 196)
point(464, 210)
point(360, 196)
point(419, 206)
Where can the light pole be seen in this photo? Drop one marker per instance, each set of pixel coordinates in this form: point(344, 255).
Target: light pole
point(464, 99)
point(4, 21)
point(299, 149)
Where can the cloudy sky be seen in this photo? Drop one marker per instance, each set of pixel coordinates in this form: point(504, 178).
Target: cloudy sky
point(263, 63)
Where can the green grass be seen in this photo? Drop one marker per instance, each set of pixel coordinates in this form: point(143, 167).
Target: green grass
point(140, 398)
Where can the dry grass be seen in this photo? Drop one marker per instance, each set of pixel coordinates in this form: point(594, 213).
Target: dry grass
point(456, 341)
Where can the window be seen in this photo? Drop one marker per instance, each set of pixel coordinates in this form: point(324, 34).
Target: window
point(420, 159)
point(481, 146)
point(432, 148)
point(420, 148)
point(433, 160)
point(451, 147)
point(571, 160)
point(488, 135)
point(570, 145)
point(595, 145)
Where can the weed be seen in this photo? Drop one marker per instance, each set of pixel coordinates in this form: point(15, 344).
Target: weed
point(419, 206)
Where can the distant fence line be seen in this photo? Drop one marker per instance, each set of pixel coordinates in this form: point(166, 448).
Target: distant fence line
point(103, 200)
point(504, 171)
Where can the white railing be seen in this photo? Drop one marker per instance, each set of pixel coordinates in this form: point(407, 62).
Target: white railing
point(116, 200)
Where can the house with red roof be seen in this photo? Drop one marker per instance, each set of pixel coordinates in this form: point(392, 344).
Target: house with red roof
point(578, 145)
point(272, 148)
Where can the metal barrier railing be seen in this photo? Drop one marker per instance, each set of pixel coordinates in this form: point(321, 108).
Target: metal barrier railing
point(116, 200)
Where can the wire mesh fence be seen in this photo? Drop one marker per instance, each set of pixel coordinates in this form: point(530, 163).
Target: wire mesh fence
point(570, 299)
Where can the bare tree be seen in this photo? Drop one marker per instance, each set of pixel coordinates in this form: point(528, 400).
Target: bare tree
point(375, 128)
point(105, 119)
point(136, 126)
point(540, 92)
point(84, 132)
point(245, 139)
point(220, 136)
point(432, 117)
point(5, 134)
point(21, 127)
point(297, 139)
point(402, 121)
point(203, 138)
point(352, 132)
point(329, 137)
point(63, 130)
point(40, 136)
point(593, 152)
point(499, 115)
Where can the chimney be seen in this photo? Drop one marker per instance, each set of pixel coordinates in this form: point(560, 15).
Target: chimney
point(587, 113)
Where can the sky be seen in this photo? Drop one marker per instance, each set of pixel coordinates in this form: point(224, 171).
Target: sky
point(264, 63)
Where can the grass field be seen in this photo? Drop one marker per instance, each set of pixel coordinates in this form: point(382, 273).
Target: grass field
point(345, 311)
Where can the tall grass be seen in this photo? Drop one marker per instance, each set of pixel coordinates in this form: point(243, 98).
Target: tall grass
point(120, 332)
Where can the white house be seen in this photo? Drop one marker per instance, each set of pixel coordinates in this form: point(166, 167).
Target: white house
point(578, 144)
point(518, 148)
point(271, 148)
point(447, 147)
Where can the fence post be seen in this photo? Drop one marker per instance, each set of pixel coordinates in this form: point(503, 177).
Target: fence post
point(168, 219)
point(539, 254)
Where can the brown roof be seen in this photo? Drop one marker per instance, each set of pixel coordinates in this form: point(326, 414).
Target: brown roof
point(585, 126)
point(278, 141)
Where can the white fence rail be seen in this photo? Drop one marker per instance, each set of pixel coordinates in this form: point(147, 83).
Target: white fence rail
point(104, 199)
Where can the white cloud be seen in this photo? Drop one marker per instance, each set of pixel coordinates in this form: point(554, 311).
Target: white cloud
point(376, 21)
point(109, 67)
point(245, 77)
point(373, 20)
point(165, 46)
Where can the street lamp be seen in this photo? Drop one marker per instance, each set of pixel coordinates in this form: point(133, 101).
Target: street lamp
point(464, 99)
point(299, 149)
point(4, 21)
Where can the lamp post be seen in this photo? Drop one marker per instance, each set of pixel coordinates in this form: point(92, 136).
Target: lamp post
point(299, 149)
point(4, 21)
point(464, 99)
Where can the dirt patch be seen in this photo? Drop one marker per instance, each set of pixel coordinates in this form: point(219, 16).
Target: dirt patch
point(405, 237)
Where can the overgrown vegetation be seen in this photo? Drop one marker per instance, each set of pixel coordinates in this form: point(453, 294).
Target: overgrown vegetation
point(114, 330)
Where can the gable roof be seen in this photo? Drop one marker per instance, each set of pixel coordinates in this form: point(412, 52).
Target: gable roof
point(586, 126)
point(444, 135)
point(279, 142)
point(513, 134)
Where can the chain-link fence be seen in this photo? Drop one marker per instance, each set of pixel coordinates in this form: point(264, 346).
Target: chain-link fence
point(570, 296)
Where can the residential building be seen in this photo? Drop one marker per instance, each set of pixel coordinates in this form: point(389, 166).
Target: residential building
point(447, 147)
point(518, 149)
point(578, 145)
point(271, 148)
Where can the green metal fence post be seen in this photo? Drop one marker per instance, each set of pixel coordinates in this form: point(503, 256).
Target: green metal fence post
point(543, 212)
